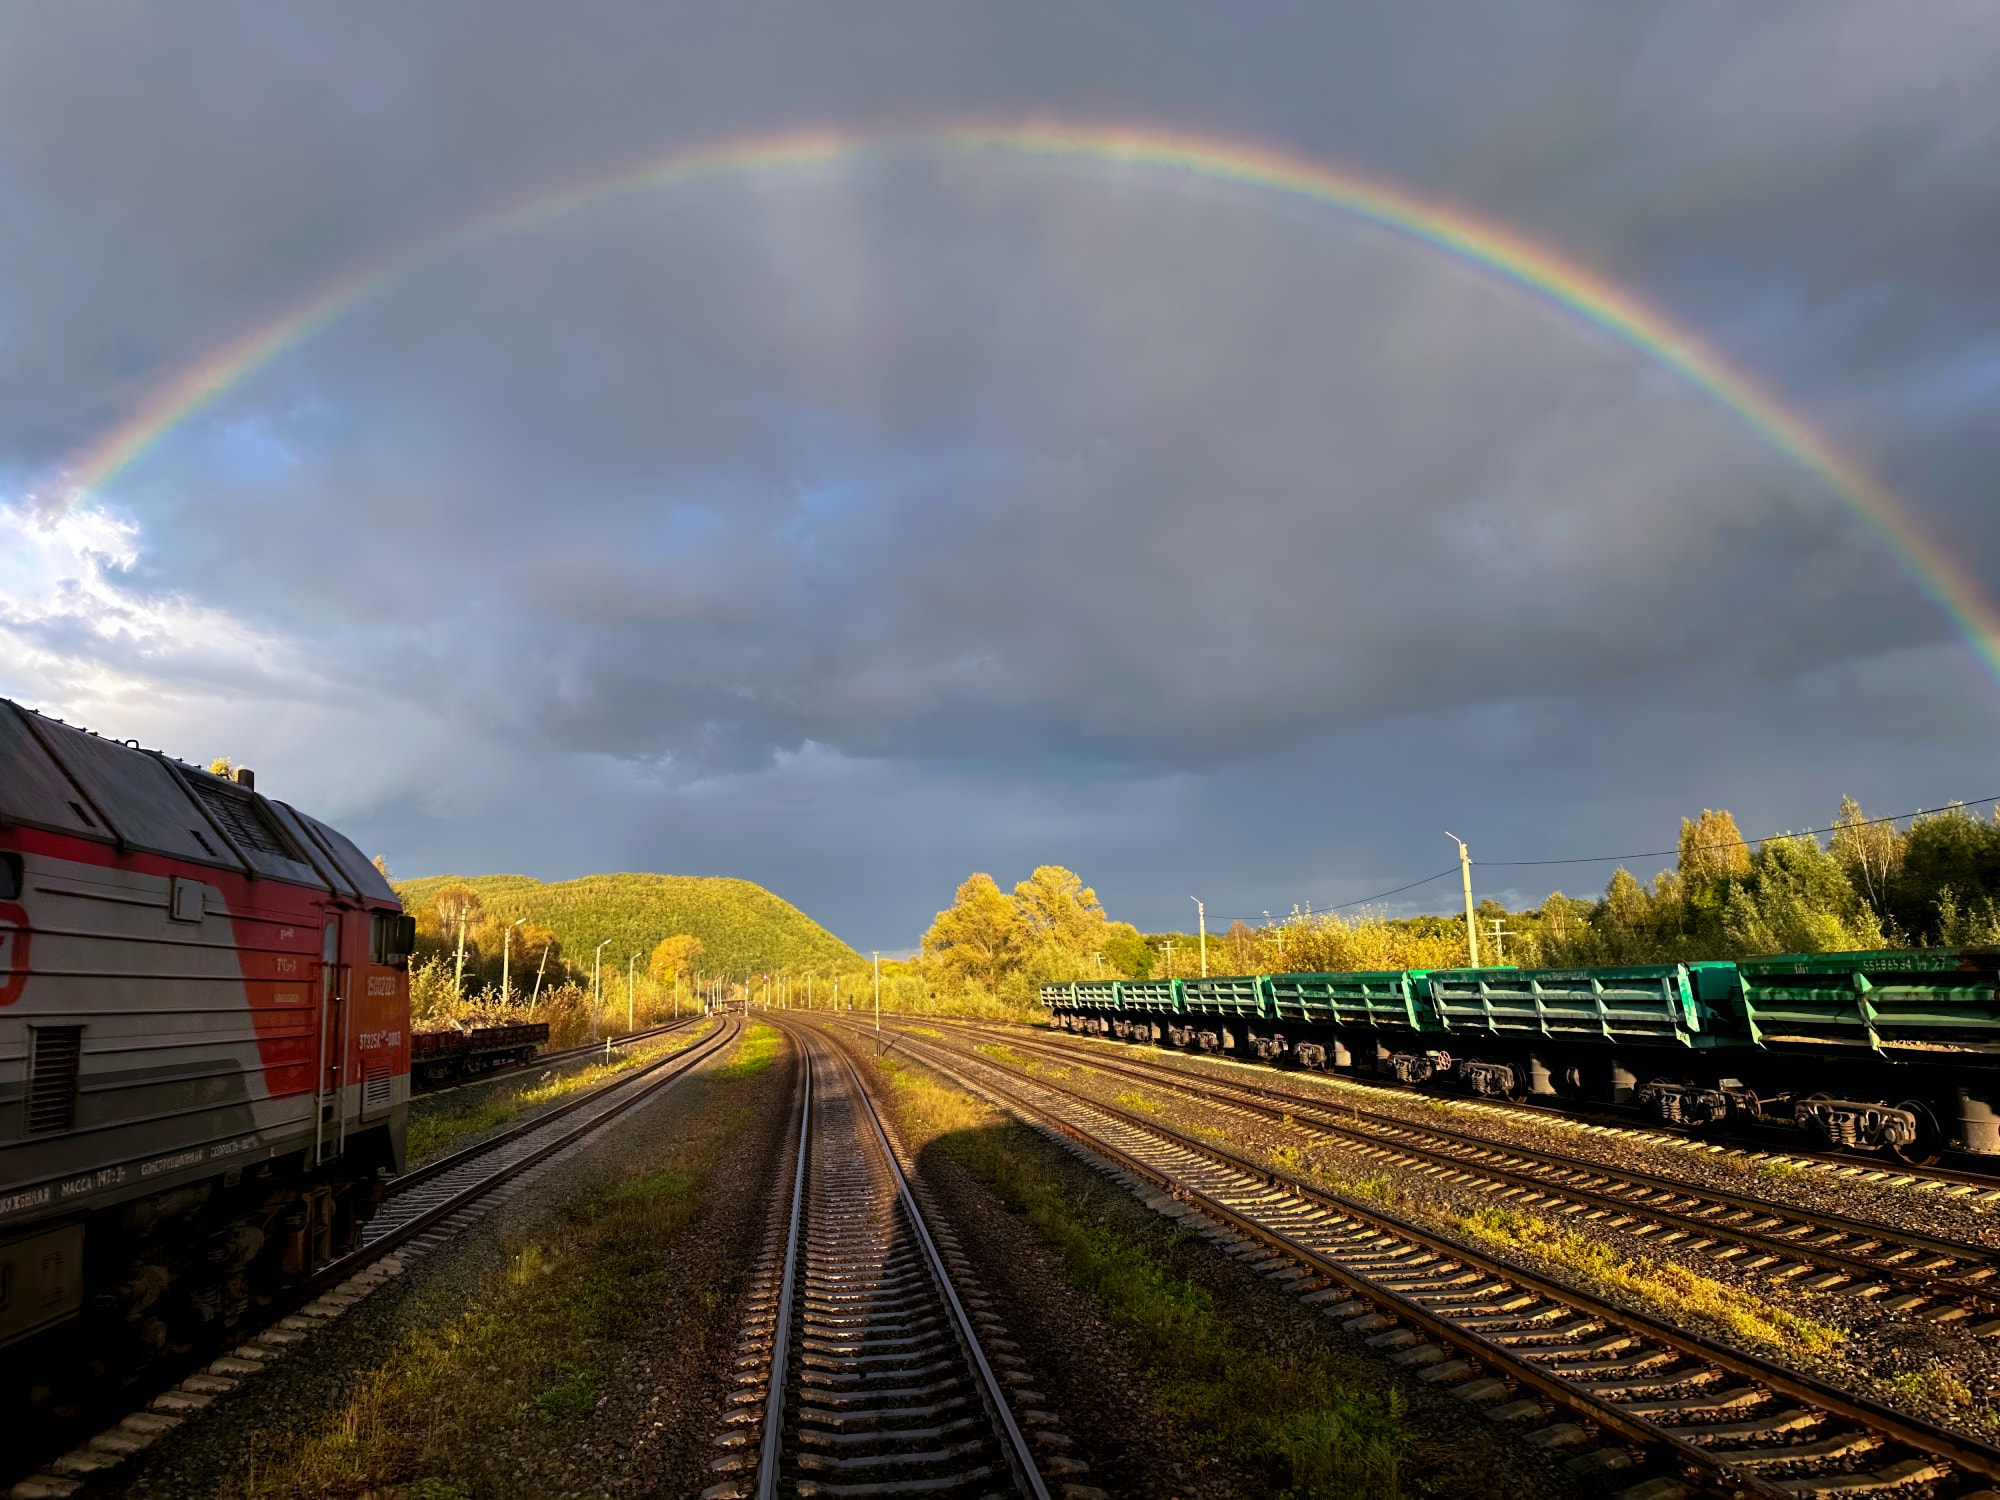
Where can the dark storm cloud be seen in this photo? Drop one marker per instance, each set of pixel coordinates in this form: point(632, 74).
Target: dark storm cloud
point(953, 510)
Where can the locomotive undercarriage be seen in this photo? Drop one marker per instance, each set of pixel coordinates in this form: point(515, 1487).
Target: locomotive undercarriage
point(184, 1270)
point(1913, 1112)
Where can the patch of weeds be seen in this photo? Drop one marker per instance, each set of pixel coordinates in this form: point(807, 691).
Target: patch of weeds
point(663, 1186)
point(923, 1031)
point(1006, 1055)
point(1293, 1161)
point(1671, 1291)
point(1383, 1188)
point(1934, 1385)
point(1779, 1170)
point(1139, 1102)
point(573, 1395)
point(755, 1053)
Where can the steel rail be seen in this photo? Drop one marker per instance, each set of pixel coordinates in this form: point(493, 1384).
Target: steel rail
point(1325, 1117)
point(1965, 1453)
point(1020, 1457)
point(680, 1064)
point(415, 1176)
point(774, 1400)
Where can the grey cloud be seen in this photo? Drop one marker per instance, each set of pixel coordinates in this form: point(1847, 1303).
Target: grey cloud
point(937, 510)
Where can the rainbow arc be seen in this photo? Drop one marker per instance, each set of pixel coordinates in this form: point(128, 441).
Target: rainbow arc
point(1500, 252)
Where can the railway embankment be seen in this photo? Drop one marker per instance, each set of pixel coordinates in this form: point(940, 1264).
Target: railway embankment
point(1874, 1276)
point(1883, 1334)
point(569, 1344)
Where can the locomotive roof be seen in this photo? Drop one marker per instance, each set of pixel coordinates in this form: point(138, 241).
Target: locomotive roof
point(68, 780)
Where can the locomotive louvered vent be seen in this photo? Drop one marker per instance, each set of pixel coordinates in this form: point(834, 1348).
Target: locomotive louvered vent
point(52, 1086)
point(245, 824)
point(376, 1087)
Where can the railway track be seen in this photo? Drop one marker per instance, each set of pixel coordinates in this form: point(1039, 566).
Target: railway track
point(420, 1210)
point(1918, 1276)
point(568, 1055)
point(868, 1366)
point(1775, 1140)
point(1624, 1394)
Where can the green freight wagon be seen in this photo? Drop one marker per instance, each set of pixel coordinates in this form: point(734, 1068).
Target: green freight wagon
point(1903, 1043)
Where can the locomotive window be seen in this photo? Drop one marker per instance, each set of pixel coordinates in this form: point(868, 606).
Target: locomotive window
point(10, 877)
point(391, 938)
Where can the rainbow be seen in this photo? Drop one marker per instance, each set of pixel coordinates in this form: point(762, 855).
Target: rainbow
point(1502, 253)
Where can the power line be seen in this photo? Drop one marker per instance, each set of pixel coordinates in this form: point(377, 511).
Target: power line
point(1600, 859)
point(1378, 896)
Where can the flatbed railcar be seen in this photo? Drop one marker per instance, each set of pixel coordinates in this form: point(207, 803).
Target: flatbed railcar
point(438, 1058)
point(204, 1055)
point(1896, 1050)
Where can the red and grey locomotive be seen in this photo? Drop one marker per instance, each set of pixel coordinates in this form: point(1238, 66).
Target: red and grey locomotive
point(204, 1053)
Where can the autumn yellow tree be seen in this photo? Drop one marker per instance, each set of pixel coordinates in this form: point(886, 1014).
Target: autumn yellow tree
point(674, 958)
point(1058, 909)
point(1713, 849)
point(979, 936)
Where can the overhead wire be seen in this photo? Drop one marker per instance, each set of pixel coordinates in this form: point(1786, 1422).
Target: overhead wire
point(1597, 859)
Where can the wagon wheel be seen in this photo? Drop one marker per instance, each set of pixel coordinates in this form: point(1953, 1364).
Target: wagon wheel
point(1925, 1150)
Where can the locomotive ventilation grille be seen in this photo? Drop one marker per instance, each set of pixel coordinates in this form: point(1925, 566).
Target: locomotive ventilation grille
point(52, 1087)
point(245, 824)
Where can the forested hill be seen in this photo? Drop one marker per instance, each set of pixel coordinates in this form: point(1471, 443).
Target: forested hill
point(743, 928)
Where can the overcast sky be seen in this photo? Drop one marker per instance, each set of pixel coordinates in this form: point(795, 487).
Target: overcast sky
point(854, 526)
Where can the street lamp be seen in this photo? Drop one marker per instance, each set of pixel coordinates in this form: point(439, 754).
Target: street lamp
point(597, 988)
point(1201, 916)
point(506, 955)
point(878, 994)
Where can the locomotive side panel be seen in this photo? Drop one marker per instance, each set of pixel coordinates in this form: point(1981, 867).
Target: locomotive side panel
point(154, 1031)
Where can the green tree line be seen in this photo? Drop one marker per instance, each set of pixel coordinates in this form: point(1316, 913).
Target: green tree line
point(1867, 884)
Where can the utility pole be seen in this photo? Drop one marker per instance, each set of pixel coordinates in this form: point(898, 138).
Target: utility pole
point(1170, 959)
point(1499, 946)
point(878, 994)
point(1201, 918)
point(597, 989)
point(631, 963)
point(1465, 872)
point(458, 972)
point(536, 998)
point(506, 952)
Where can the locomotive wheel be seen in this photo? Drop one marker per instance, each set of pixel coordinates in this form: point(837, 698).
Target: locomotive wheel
point(1925, 1150)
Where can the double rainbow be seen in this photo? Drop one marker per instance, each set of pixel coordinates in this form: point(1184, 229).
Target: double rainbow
point(1500, 252)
